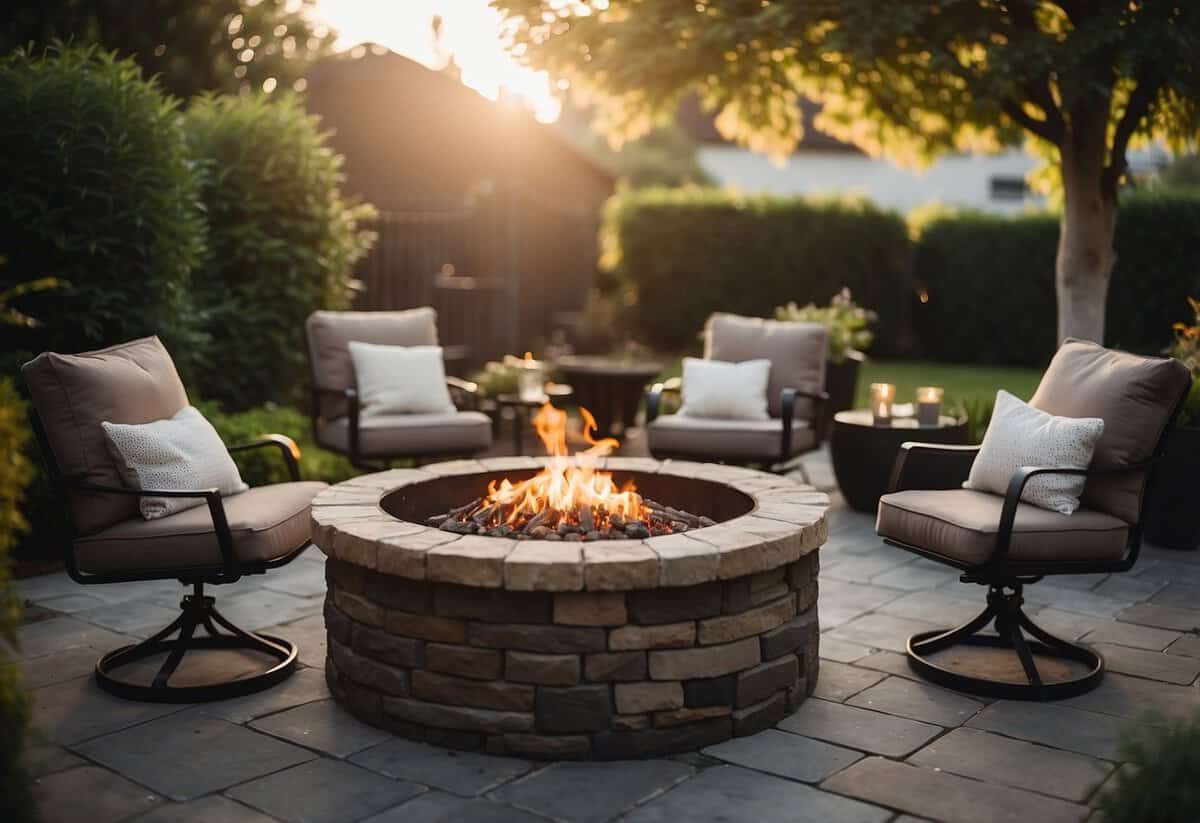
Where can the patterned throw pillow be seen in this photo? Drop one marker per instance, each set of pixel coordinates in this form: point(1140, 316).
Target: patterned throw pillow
point(1020, 435)
point(181, 453)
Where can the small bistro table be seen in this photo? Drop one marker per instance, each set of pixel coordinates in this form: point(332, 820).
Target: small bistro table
point(609, 387)
point(863, 454)
point(522, 409)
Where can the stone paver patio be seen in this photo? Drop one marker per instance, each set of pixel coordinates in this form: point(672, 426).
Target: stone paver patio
point(873, 744)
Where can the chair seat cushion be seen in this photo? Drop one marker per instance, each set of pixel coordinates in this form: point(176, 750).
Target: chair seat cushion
point(715, 438)
point(961, 524)
point(267, 522)
point(396, 435)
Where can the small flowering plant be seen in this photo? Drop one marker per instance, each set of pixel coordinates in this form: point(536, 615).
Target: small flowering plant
point(848, 323)
point(1186, 349)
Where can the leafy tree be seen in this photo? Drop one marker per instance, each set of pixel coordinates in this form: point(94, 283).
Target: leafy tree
point(1081, 80)
point(192, 45)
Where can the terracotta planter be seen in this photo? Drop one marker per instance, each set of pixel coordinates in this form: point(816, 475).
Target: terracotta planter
point(1172, 518)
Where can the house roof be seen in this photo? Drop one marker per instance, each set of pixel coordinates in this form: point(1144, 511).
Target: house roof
point(408, 131)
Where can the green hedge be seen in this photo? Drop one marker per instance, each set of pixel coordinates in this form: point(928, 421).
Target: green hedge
point(99, 191)
point(16, 800)
point(987, 280)
point(282, 241)
point(681, 254)
point(990, 281)
point(262, 466)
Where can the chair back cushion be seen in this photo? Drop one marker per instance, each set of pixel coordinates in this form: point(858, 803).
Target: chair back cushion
point(1135, 396)
point(797, 352)
point(330, 332)
point(133, 382)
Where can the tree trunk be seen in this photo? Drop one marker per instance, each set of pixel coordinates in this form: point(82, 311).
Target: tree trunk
point(1085, 242)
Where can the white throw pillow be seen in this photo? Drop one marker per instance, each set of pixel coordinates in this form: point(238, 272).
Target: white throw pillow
point(400, 379)
point(1020, 435)
point(181, 453)
point(727, 391)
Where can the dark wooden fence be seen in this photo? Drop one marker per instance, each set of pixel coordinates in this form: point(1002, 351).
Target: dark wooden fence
point(504, 271)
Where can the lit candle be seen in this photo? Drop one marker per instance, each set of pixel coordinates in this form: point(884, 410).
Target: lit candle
point(530, 382)
point(929, 405)
point(882, 397)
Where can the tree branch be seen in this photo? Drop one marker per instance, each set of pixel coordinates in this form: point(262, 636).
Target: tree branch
point(1045, 129)
point(1136, 109)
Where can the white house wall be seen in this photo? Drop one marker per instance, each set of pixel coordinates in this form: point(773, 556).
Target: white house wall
point(959, 180)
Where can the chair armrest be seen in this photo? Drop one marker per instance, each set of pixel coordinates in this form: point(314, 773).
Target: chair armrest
point(787, 411)
point(287, 449)
point(1016, 486)
point(673, 385)
point(465, 389)
point(931, 466)
point(216, 510)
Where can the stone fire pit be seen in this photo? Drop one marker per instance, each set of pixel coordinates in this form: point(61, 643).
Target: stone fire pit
point(608, 649)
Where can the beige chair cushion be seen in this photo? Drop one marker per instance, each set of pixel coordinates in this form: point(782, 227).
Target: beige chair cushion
point(133, 382)
point(724, 439)
point(396, 435)
point(797, 352)
point(1135, 397)
point(962, 524)
point(267, 522)
point(330, 332)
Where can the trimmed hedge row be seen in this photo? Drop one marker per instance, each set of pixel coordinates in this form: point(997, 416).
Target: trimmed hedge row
point(987, 280)
point(688, 252)
point(990, 281)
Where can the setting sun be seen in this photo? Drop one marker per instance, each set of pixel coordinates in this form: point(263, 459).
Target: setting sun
point(470, 33)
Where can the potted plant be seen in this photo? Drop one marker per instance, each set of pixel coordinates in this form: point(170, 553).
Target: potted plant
point(1172, 518)
point(850, 335)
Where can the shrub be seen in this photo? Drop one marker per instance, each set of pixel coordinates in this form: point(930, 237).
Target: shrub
point(16, 801)
point(686, 253)
point(1161, 786)
point(282, 241)
point(98, 192)
point(848, 324)
point(989, 281)
point(987, 286)
point(265, 466)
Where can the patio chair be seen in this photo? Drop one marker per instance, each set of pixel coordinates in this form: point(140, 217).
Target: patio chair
point(1005, 544)
point(795, 396)
point(373, 442)
point(248, 533)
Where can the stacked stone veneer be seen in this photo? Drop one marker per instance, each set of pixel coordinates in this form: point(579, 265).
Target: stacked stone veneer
point(573, 674)
point(618, 649)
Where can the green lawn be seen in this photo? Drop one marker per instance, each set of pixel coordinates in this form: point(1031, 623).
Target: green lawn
point(963, 383)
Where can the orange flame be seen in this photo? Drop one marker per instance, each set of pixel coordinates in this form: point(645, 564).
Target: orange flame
point(568, 485)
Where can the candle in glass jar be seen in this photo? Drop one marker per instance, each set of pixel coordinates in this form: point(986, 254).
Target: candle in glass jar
point(883, 395)
point(929, 405)
point(530, 380)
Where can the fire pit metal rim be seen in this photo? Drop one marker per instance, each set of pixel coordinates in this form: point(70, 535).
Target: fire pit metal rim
point(787, 521)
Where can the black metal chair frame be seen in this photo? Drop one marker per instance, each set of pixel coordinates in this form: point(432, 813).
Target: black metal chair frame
point(930, 466)
point(787, 412)
point(197, 610)
point(457, 385)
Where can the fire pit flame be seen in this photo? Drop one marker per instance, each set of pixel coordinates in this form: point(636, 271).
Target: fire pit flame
point(569, 499)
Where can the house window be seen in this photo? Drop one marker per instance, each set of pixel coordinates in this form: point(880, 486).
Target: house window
point(1009, 188)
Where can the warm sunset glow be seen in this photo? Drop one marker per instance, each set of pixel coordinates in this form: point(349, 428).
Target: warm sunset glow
point(470, 32)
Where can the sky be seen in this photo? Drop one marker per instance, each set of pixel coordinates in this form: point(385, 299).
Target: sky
point(470, 30)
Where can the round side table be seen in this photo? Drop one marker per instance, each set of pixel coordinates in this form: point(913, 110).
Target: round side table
point(863, 454)
point(609, 387)
point(522, 409)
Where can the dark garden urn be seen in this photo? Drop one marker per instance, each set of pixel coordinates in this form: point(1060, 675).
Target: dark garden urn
point(1172, 517)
